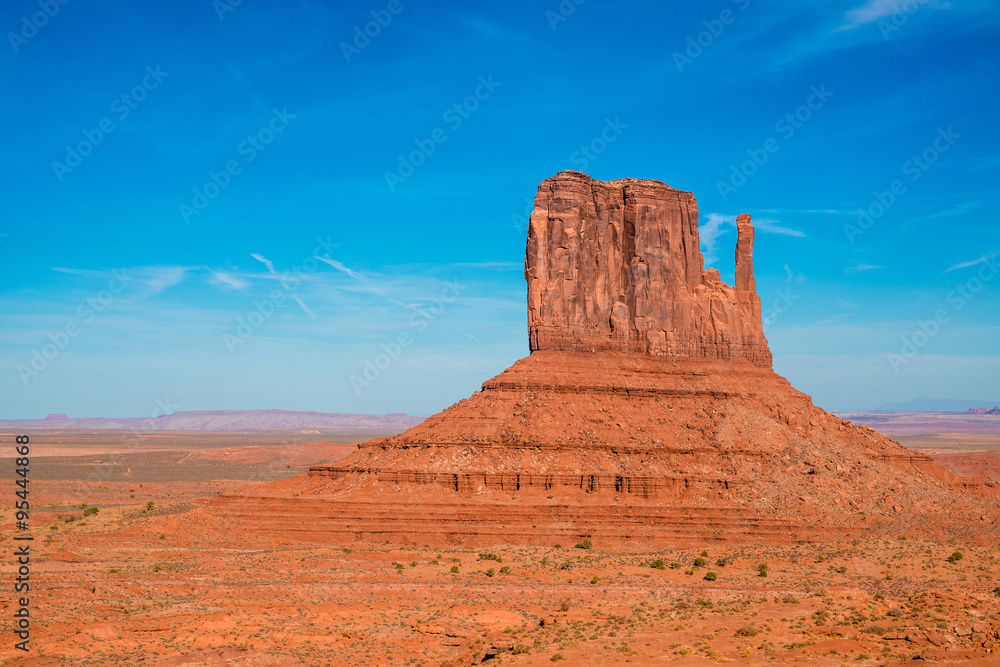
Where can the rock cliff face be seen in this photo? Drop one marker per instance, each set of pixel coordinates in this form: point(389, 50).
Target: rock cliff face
point(616, 266)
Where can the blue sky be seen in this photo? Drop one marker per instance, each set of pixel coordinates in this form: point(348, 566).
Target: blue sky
point(171, 170)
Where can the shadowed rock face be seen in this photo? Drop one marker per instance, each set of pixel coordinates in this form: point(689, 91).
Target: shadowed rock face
point(616, 266)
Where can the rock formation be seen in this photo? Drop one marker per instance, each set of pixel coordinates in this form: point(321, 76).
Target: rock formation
point(646, 415)
point(617, 266)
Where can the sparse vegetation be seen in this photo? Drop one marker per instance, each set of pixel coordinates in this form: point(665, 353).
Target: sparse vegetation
point(748, 630)
point(711, 576)
point(490, 556)
point(584, 544)
point(454, 569)
point(762, 570)
point(955, 557)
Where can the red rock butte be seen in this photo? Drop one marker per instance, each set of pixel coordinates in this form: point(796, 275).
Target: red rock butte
point(647, 415)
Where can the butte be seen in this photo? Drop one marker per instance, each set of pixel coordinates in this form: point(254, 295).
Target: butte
point(646, 416)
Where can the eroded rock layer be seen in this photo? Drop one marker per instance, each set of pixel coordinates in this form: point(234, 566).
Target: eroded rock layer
point(646, 416)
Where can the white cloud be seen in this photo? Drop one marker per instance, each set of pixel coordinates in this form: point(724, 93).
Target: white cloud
point(964, 265)
point(769, 226)
point(873, 10)
point(860, 267)
point(710, 232)
point(229, 279)
point(340, 267)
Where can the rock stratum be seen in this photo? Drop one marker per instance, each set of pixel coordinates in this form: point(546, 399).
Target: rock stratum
point(646, 416)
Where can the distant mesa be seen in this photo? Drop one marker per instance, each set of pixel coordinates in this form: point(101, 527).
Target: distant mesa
point(984, 411)
point(647, 415)
point(225, 420)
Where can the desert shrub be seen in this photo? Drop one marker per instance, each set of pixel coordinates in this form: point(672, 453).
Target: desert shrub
point(564, 605)
point(748, 630)
point(584, 544)
point(348, 551)
point(704, 603)
point(434, 562)
point(504, 570)
point(675, 566)
point(490, 572)
point(490, 556)
point(658, 564)
point(400, 566)
point(557, 657)
point(558, 546)
point(149, 505)
point(879, 596)
point(711, 576)
point(70, 519)
point(90, 511)
point(722, 562)
point(875, 630)
point(520, 649)
point(955, 557)
point(996, 591)
point(762, 569)
point(595, 579)
point(700, 562)
point(454, 569)
point(113, 570)
point(895, 612)
point(842, 569)
point(821, 616)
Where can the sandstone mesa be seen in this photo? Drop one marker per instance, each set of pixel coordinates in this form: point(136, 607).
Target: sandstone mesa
point(646, 416)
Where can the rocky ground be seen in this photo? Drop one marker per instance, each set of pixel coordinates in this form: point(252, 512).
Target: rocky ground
point(168, 586)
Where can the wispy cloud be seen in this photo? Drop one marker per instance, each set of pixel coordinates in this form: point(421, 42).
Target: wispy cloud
point(831, 211)
point(975, 262)
point(873, 10)
point(164, 277)
point(340, 267)
point(769, 226)
point(270, 267)
point(710, 232)
point(861, 267)
point(225, 278)
point(954, 211)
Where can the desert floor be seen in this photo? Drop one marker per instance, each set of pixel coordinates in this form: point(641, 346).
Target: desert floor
point(151, 578)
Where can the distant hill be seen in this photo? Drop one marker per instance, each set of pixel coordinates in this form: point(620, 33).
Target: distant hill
point(938, 404)
point(225, 420)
